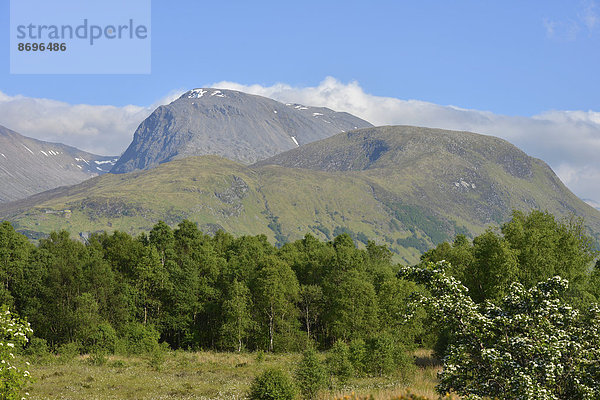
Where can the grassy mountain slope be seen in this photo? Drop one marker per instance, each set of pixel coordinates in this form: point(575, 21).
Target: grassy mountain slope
point(403, 186)
point(456, 174)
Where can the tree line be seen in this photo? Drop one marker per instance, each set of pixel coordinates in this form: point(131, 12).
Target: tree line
point(196, 291)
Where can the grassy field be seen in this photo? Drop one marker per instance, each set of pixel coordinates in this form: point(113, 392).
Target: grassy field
point(200, 375)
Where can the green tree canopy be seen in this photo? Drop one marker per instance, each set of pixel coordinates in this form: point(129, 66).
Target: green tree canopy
point(528, 249)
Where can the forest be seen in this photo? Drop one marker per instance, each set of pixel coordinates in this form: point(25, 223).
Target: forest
point(192, 291)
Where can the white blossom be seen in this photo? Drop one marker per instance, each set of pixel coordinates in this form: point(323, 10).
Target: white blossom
point(531, 346)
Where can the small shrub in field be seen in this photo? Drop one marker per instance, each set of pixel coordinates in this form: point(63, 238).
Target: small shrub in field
point(272, 384)
point(385, 355)
point(260, 356)
point(158, 357)
point(98, 357)
point(310, 374)
point(117, 364)
point(38, 349)
point(338, 362)
point(139, 339)
point(99, 336)
point(68, 351)
point(358, 355)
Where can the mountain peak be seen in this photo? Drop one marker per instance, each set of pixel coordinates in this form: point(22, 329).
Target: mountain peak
point(232, 124)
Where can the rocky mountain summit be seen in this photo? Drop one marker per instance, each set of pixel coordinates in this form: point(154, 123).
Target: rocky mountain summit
point(239, 126)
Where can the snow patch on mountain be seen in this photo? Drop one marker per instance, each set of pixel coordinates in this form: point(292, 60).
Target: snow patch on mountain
point(28, 149)
point(464, 184)
point(196, 93)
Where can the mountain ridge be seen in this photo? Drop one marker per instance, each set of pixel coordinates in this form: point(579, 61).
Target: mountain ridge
point(29, 166)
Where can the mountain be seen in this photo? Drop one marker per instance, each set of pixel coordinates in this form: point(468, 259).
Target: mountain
point(474, 177)
point(235, 125)
point(29, 166)
point(406, 187)
point(593, 203)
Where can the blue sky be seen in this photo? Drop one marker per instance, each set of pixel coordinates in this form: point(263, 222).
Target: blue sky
point(526, 71)
point(497, 56)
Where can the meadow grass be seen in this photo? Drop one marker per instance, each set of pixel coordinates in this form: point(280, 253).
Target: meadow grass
point(201, 375)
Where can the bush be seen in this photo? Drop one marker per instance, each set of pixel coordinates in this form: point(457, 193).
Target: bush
point(310, 375)
point(100, 337)
point(103, 339)
point(385, 355)
point(37, 348)
point(139, 339)
point(13, 335)
point(358, 355)
point(68, 351)
point(260, 356)
point(338, 362)
point(98, 357)
point(272, 384)
point(158, 356)
point(531, 345)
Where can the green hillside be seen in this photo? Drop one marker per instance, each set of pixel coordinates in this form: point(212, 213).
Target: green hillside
point(407, 187)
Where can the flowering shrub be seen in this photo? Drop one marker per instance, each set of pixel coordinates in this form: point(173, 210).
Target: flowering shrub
point(13, 334)
point(530, 346)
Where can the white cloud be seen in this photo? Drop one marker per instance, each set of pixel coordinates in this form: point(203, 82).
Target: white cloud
point(568, 28)
point(569, 141)
point(589, 15)
point(593, 203)
point(98, 129)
